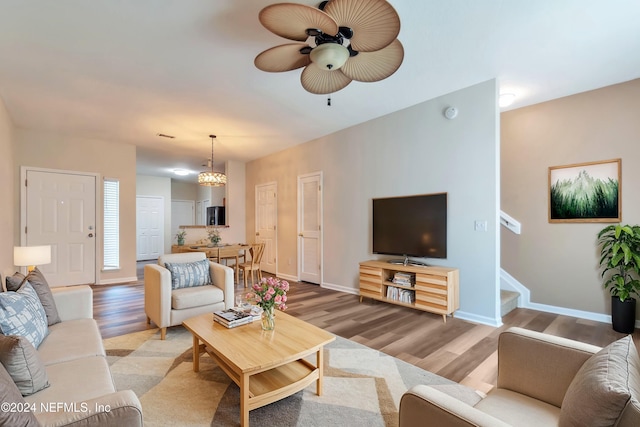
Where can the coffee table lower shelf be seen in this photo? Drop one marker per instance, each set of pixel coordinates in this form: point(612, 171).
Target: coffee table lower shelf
point(273, 384)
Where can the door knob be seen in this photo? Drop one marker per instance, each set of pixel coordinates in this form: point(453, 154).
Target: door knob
point(257, 233)
point(301, 235)
point(90, 234)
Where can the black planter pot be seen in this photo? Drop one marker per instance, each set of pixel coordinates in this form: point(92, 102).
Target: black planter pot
point(623, 315)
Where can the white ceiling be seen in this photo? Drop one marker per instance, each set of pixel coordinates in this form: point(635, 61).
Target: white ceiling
point(124, 71)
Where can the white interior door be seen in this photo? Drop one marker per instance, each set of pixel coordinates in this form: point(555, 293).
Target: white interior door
point(60, 210)
point(266, 216)
point(149, 227)
point(310, 227)
point(182, 213)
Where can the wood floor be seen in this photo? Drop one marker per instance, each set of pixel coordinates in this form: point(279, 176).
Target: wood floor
point(459, 350)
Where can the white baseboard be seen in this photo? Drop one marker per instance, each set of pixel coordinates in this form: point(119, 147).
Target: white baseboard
point(119, 280)
point(340, 288)
point(509, 282)
point(496, 323)
point(288, 277)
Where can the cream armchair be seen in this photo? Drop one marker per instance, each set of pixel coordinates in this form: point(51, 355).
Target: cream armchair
point(169, 307)
point(543, 380)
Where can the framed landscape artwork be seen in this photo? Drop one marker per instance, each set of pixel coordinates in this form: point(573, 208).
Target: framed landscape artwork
point(586, 192)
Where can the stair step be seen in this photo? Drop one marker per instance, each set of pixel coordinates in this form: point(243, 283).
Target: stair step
point(508, 301)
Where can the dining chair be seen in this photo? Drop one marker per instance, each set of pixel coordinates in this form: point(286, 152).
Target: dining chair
point(231, 253)
point(256, 251)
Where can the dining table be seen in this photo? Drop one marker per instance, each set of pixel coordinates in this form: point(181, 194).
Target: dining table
point(220, 253)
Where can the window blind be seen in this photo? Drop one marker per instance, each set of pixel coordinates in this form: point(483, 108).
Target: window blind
point(111, 250)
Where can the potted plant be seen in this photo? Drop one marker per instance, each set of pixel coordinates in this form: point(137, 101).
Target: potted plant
point(180, 236)
point(214, 236)
point(620, 261)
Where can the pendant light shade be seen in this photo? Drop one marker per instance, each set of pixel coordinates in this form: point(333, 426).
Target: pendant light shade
point(212, 179)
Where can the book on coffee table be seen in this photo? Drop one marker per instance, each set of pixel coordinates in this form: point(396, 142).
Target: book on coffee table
point(232, 318)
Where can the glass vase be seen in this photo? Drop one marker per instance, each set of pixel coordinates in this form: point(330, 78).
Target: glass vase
point(268, 318)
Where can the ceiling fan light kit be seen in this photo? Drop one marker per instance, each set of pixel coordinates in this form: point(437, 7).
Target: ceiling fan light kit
point(212, 178)
point(341, 41)
point(329, 56)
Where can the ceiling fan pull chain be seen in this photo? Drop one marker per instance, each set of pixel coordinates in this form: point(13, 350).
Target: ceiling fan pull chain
point(329, 100)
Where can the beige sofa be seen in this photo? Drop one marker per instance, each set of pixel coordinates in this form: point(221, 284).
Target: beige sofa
point(81, 390)
point(543, 380)
point(170, 307)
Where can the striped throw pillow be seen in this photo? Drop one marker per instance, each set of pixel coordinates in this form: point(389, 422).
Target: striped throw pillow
point(189, 274)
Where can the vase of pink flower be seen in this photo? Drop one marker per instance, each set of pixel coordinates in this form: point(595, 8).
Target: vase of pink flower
point(270, 294)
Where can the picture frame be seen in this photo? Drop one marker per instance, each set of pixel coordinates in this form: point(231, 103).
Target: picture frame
point(586, 192)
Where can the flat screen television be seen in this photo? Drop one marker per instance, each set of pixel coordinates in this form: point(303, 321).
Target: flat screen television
point(411, 226)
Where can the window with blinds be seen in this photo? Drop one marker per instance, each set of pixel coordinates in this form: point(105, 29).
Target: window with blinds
point(111, 233)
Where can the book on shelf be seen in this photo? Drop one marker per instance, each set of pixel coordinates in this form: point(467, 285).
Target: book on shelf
point(232, 318)
point(402, 295)
point(404, 279)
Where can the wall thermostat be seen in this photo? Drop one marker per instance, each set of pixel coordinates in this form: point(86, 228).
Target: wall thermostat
point(451, 113)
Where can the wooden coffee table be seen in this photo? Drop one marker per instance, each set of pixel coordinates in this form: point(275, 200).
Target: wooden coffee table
point(266, 365)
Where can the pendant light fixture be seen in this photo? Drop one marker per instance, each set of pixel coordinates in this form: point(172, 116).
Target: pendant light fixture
point(212, 179)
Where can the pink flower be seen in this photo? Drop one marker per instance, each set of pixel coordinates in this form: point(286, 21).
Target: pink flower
point(270, 292)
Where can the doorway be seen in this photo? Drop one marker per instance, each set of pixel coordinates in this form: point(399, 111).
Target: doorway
point(149, 227)
point(266, 230)
point(310, 227)
point(60, 210)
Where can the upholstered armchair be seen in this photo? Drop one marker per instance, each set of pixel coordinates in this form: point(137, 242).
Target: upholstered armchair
point(543, 380)
point(179, 288)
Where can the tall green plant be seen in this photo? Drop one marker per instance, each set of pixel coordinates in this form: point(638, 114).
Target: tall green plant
point(620, 259)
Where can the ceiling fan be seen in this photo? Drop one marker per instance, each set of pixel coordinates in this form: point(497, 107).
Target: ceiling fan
point(338, 42)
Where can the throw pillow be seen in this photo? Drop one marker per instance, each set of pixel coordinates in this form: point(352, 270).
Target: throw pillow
point(189, 274)
point(21, 313)
point(40, 284)
point(10, 395)
point(22, 362)
point(602, 387)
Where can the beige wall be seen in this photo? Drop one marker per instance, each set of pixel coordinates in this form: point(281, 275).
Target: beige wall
point(413, 151)
point(181, 190)
point(559, 262)
point(6, 193)
point(106, 158)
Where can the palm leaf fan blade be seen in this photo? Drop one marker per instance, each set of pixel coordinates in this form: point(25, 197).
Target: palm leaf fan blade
point(281, 58)
point(375, 66)
point(291, 21)
point(322, 82)
point(375, 23)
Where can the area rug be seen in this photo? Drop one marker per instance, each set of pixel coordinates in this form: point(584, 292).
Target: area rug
point(362, 386)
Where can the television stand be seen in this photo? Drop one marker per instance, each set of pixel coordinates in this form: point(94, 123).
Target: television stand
point(428, 288)
point(407, 261)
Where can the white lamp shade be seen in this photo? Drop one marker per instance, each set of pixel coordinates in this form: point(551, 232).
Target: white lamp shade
point(24, 256)
point(329, 56)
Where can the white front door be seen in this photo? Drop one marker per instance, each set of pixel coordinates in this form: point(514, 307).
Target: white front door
point(310, 227)
point(60, 210)
point(266, 216)
point(149, 227)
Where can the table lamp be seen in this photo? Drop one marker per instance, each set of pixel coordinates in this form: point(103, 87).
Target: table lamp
point(31, 256)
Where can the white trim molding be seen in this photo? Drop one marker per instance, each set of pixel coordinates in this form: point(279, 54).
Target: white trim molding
point(509, 282)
